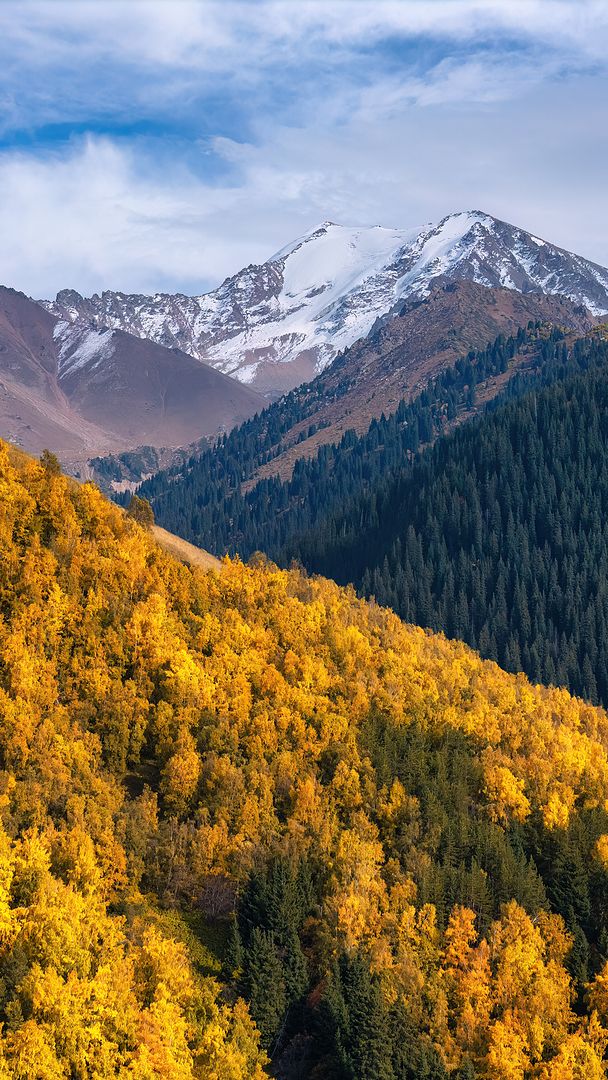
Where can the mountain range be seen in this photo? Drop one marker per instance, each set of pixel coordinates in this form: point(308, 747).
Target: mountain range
point(367, 314)
point(254, 825)
point(278, 324)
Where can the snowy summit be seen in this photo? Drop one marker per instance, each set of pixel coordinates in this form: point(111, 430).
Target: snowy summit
point(278, 324)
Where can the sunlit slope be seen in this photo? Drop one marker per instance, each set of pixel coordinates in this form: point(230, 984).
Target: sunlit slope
point(173, 737)
point(85, 991)
point(184, 551)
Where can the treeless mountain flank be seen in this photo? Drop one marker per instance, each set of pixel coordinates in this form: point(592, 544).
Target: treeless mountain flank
point(26, 344)
point(185, 552)
point(34, 410)
point(147, 394)
point(82, 391)
point(410, 348)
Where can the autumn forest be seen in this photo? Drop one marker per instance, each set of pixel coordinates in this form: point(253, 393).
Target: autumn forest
point(253, 825)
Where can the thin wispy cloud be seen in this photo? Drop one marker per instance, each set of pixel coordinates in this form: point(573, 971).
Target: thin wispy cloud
point(156, 145)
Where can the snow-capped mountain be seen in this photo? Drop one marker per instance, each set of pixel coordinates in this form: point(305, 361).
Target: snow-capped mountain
point(277, 324)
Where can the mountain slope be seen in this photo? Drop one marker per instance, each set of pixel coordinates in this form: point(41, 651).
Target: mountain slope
point(277, 324)
point(82, 391)
point(398, 359)
point(277, 476)
point(143, 392)
point(253, 784)
point(185, 552)
point(34, 412)
point(497, 535)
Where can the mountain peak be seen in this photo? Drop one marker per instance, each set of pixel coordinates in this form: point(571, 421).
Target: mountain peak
point(278, 324)
point(311, 234)
point(470, 214)
point(68, 296)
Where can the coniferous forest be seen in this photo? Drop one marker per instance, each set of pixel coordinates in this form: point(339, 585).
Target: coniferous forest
point(496, 534)
point(205, 500)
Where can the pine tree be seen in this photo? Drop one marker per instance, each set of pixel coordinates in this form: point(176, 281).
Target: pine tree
point(267, 992)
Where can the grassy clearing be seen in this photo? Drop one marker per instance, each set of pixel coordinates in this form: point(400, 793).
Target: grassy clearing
point(184, 551)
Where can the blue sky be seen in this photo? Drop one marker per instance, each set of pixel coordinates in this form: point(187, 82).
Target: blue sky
point(162, 144)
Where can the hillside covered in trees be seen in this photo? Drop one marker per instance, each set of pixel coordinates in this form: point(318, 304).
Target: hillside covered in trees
point(248, 816)
point(218, 500)
point(495, 536)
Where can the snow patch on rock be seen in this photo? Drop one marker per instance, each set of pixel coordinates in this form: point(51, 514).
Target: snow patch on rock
point(81, 348)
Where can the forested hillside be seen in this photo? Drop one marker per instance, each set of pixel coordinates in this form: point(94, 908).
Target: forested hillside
point(247, 812)
point(496, 536)
point(216, 501)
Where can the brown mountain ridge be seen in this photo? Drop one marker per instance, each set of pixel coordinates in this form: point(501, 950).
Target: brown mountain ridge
point(84, 391)
point(406, 351)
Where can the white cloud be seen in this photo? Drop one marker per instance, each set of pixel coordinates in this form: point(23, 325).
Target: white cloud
point(90, 218)
point(236, 35)
point(578, 25)
point(516, 131)
point(171, 31)
point(484, 79)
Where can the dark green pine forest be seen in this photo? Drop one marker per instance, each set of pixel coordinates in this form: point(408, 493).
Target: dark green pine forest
point(497, 534)
point(203, 501)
